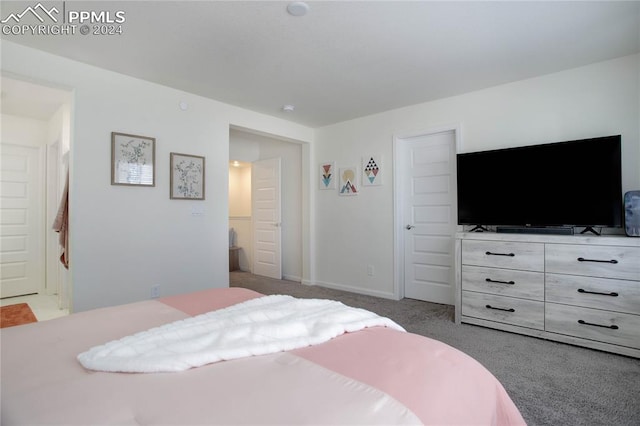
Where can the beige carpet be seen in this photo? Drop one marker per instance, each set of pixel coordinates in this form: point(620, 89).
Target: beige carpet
point(551, 383)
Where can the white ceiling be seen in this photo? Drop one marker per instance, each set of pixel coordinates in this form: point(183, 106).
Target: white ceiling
point(346, 59)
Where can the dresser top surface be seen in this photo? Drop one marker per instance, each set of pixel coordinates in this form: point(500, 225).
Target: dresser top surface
point(604, 240)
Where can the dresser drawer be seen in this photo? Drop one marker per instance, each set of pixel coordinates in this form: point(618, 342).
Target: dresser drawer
point(508, 310)
point(503, 254)
point(593, 324)
point(505, 282)
point(593, 261)
point(598, 293)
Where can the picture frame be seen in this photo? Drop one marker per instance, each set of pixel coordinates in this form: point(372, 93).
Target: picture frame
point(372, 170)
point(187, 177)
point(327, 175)
point(133, 159)
point(349, 181)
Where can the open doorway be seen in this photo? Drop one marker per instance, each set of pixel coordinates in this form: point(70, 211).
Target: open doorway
point(35, 144)
point(246, 148)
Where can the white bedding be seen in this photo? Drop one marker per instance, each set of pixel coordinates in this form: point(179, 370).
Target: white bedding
point(259, 326)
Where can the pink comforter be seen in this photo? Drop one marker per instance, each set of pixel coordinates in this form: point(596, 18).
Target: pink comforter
point(375, 376)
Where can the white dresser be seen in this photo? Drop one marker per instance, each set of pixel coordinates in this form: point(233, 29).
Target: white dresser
point(583, 290)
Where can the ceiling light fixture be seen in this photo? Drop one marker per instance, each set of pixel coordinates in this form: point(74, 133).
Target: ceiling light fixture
point(297, 8)
point(288, 108)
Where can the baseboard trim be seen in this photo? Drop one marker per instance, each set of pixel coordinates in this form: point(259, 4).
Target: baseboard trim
point(352, 289)
point(292, 278)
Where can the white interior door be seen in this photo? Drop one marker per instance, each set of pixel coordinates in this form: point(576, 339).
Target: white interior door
point(429, 208)
point(266, 214)
point(22, 216)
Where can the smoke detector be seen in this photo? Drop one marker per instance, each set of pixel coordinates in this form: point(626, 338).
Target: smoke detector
point(297, 8)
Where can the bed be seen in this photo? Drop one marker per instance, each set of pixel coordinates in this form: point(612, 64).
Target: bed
point(377, 375)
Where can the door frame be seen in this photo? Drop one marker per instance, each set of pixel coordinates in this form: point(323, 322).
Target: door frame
point(52, 201)
point(307, 177)
point(399, 141)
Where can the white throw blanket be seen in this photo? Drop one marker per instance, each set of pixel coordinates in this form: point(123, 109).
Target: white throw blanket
point(256, 327)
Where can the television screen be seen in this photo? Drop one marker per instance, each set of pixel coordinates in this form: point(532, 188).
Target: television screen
point(574, 183)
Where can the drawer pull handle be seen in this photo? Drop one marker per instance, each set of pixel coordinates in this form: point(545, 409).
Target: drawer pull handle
point(613, 293)
point(499, 254)
point(501, 309)
point(489, 280)
point(613, 327)
point(582, 259)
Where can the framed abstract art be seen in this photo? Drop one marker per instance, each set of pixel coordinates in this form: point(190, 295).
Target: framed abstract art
point(327, 176)
point(372, 170)
point(349, 181)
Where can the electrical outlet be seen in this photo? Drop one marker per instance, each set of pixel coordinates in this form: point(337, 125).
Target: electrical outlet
point(370, 270)
point(155, 291)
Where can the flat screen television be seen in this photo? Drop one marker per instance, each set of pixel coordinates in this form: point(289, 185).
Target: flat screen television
point(574, 183)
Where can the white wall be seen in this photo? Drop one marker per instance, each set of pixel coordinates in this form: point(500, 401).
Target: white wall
point(124, 240)
point(352, 232)
point(240, 191)
point(241, 149)
point(23, 130)
point(240, 212)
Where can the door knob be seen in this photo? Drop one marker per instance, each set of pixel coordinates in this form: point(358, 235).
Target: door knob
point(409, 227)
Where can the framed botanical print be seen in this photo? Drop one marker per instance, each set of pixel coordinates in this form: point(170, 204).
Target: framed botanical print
point(187, 177)
point(132, 160)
